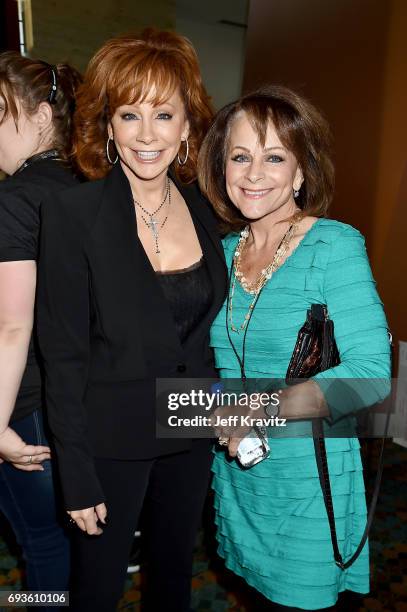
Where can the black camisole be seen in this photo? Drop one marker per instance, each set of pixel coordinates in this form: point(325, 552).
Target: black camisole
point(189, 294)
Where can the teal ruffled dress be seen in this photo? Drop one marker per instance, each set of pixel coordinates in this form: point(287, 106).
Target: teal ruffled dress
point(272, 527)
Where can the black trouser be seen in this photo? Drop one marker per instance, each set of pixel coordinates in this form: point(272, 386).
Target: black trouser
point(174, 487)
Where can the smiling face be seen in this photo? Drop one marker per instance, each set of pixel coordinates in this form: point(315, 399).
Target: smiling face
point(19, 140)
point(260, 180)
point(148, 136)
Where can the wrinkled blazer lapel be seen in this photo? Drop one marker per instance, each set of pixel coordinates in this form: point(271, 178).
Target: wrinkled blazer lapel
point(124, 281)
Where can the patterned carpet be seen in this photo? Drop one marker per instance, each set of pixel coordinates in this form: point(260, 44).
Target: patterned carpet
point(215, 589)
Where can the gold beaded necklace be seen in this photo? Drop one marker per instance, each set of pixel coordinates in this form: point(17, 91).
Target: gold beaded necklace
point(254, 288)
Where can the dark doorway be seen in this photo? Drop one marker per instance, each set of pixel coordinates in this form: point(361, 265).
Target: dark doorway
point(9, 37)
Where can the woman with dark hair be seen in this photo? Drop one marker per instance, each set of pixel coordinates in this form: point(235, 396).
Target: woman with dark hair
point(36, 111)
point(266, 168)
point(132, 277)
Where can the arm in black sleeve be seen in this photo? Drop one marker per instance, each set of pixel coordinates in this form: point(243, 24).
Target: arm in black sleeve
point(18, 224)
point(63, 330)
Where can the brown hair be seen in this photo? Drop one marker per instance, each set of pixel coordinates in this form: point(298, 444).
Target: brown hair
point(30, 81)
point(122, 72)
point(300, 127)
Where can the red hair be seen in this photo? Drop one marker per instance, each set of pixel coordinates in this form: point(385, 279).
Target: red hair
point(124, 71)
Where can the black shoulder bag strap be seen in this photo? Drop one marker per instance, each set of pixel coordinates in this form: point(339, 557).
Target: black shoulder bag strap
point(323, 472)
point(322, 464)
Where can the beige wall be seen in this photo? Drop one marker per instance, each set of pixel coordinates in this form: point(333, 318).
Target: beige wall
point(217, 30)
point(349, 57)
point(73, 29)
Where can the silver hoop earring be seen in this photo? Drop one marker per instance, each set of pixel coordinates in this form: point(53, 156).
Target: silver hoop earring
point(184, 161)
point(296, 193)
point(107, 152)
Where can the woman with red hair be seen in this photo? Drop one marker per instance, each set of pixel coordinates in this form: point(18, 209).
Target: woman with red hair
point(132, 277)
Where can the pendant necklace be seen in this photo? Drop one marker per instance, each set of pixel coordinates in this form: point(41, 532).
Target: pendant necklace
point(153, 223)
point(265, 275)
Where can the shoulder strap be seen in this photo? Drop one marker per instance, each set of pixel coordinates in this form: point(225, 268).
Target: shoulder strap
point(323, 472)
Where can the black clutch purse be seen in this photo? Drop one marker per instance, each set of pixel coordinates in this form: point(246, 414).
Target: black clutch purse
point(316, 351)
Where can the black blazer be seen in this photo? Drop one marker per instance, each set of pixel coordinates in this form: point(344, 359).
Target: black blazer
point(106, 330)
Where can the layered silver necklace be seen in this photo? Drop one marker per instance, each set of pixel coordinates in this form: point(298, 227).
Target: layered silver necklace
point(153, 223)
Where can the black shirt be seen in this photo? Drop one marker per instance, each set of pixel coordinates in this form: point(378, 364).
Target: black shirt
point(20, 199)
point(189, 293)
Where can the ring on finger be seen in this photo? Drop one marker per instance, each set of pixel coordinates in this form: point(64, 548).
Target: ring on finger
point(223, 441)
point(30, 459)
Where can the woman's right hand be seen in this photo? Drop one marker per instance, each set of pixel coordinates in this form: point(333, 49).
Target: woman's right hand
point(25, 457)
point(87, 518)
